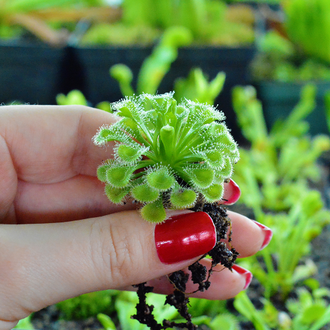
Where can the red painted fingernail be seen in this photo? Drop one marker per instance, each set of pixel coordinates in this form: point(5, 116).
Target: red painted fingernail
point(232, 193)
point(247, 274)
point(268, 234)
point(184, 236)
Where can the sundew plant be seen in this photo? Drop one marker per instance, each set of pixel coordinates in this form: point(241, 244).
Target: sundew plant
point(166, 155)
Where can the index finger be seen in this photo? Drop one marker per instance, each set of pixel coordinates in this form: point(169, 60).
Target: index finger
point(49, 144)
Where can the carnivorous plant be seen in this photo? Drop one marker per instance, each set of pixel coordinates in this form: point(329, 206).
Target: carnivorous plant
point(167, 155)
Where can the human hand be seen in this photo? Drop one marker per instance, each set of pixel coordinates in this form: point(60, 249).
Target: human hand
point(61, 237)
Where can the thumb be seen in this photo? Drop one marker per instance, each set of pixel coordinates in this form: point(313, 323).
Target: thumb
point(42, 264)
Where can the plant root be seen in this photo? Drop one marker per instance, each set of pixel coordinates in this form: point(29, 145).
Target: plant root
point(222, 253)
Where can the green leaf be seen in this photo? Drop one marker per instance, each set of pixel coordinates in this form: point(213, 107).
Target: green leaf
point(216, 86)
point(159, 62)
point(160, 179)
point(25, 324)
point(110, 133)
point(312, 283)
point(216, 129)
point(124, 310)
point(201, 177)
point(124, 75)
point(183, 198)
point(119, 176)
point(154, 212)
point(106, 322)
point(226, 140)
point(133, 129)
point(213, 193)
point(224, 322)
point(313, 313)
point(102, 170)
point(125, 112)
point(244, 305)
point(130, 153)
point(161, 311)
point(75, 97)
point(116, 195)
point(167, 134)
point(181, 111)
point(322, 321)
point(214, 158)
point(129, 108)
point(130, 123)
point(22, 6)
point(145, 193)
point(105, 106)
point(227, 170)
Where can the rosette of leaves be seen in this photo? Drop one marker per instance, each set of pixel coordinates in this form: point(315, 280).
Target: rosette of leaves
point(167, 155)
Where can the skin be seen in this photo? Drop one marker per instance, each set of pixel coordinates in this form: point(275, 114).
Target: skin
point(59, 235)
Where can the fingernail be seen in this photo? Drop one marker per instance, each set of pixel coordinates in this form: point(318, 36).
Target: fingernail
point(268, 234)
point(247, 274)
point(232, 193)
point(184, 236)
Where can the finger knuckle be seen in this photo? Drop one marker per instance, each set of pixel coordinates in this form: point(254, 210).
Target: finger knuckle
point(112, 253)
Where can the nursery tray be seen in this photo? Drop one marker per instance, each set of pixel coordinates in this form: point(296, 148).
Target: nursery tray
point(278, 100)
point(29, 73)
point(99, 86)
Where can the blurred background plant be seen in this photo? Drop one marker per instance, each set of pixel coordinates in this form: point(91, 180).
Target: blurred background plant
point(274, 175)
point(87, 305)
point(126, 22)
point(293, 48)
point(50, 21)
point(278, 59)
point(195, 87)
point(297, 48)
point(210, 22)
point(155, 66)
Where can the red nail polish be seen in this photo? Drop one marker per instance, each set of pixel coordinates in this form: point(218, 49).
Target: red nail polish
point(184, 236)
point(247, 274)
point(268, 234)
point(232, 193)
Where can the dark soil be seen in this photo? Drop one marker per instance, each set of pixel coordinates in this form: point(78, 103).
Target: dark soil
point(320, 255)
point(321, 244)
point(49, 319)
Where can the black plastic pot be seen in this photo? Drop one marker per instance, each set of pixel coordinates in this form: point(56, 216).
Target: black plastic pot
point(278, 100)
point(95, 82)
point(35, 73)
point(233, 61)
point(99, 86)
point(29, 73)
